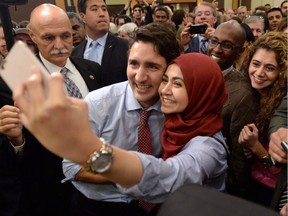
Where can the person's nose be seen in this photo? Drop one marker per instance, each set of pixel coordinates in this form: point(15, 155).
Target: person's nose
point(141, 75)
point(59, 43)
point(166, 89)
point(260, 71)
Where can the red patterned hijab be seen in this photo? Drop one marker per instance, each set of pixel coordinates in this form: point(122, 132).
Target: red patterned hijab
point(207, 94)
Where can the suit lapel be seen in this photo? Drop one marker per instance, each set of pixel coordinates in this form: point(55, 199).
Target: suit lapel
point(86, 74)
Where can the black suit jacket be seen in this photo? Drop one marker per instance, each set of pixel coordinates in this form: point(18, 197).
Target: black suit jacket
point(114, 60)
point(31, 185)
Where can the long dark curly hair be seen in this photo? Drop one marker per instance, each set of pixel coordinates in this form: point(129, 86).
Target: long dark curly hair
point(277, 43)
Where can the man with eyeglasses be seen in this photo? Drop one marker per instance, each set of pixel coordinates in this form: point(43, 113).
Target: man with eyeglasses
point(226, 45)
point(205, 13)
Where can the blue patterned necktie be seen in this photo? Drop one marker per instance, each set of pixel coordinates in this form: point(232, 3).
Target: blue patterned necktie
point(94, 54)
point(72, 88)
point(203, 48)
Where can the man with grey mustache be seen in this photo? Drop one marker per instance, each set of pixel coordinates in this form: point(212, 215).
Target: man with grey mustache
point(30, 182)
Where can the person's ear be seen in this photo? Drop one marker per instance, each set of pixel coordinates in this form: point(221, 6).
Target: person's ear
point(82, 15)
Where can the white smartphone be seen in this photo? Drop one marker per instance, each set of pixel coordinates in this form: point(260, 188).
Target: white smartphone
point(16, 67)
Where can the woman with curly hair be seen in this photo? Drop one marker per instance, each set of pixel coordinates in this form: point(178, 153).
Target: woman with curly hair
point(267, 70)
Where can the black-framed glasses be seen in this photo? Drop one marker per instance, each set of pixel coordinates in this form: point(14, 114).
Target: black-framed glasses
point(225, 45)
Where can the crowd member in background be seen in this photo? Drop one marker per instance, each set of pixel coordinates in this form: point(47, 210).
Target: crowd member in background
point(137, 12)
point(101, 45)
point(229, 12)
point(267, 70)
point(3, 46)
point(279, 133)
point(268, 6)
point(260, 9)
point(127, 31)
point(179, 18)
point(121, 20)
point(21, 34)
point(274, 16)
point(284, 8)
point(78, 28)
point(241, 12)
point(160, 14)
point(30, 175)
point(205, 13)
point(225, 47)
point(256, 24)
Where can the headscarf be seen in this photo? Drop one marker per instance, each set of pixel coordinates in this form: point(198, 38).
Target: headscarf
point(207, 94)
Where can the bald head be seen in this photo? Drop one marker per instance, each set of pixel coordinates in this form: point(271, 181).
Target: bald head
point(233, 28)
point(46, 13)
point(227, 43)
point(51, 31)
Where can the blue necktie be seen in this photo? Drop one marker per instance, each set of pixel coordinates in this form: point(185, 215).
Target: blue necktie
point(203, 48)
point(94, 54)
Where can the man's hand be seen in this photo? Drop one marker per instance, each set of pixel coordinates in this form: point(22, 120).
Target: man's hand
point(10, 124)
point(275, 149)
point(60, 123)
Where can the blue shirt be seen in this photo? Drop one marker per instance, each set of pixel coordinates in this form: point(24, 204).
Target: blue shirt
point(203, 160)
point(114, 114)
point(100, 49)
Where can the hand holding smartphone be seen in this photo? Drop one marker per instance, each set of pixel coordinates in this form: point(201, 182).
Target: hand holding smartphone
point(198, 29)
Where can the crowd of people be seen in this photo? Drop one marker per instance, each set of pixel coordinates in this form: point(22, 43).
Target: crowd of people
point(151, 107)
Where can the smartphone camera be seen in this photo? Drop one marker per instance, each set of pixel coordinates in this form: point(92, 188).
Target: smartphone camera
point(198, 29)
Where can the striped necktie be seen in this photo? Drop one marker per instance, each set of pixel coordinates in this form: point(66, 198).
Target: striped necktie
point(72, 88)
point(203, 47)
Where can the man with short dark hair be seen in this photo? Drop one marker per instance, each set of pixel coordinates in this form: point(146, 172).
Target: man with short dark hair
point(115, 115)
point(102, 46)
point(274, 16)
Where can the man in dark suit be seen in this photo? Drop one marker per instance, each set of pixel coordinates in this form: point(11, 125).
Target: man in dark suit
point(205, 13)
point(30, 176)
point(110, 51)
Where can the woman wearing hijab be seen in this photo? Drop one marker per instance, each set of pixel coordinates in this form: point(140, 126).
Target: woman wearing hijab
point(192, 93)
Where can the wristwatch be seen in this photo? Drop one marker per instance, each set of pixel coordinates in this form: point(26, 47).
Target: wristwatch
point(100, 161)
point(266, 161)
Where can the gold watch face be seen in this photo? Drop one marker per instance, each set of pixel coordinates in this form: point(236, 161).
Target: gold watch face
point(102, 163)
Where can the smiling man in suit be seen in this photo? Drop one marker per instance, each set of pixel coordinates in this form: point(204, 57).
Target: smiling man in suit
point(101, 46)
point(30, 176)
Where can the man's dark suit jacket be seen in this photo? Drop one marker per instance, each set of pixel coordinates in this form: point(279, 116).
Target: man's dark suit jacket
point(114, 60)
point(32, 185)
point(193, 45)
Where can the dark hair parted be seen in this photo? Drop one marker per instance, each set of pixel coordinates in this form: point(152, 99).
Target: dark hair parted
point(275, 42)
point(162, 36)
point(81, 4)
